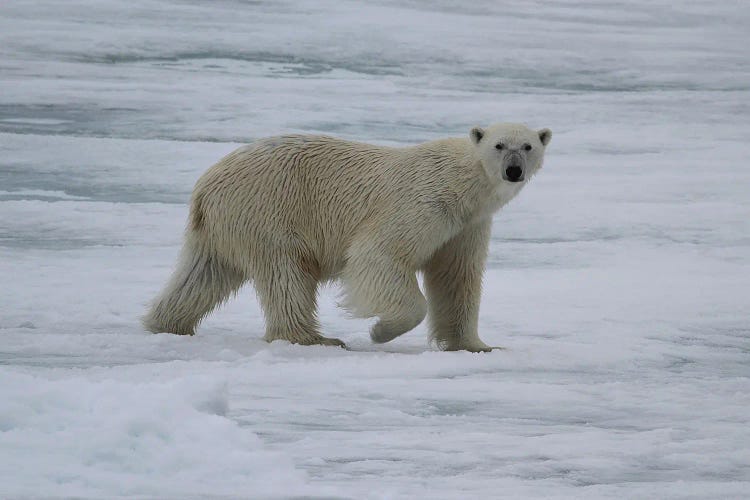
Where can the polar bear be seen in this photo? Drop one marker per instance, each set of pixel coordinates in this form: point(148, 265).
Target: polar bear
point(290, 212)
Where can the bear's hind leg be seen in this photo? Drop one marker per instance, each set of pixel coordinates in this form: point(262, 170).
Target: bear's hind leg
point(288, 293)
point(200, 282)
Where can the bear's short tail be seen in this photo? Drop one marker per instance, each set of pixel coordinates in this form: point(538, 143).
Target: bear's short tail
point(200, 282)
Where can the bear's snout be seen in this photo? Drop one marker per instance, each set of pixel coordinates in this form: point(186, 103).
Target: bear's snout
point(514, 167)
point(514, 173)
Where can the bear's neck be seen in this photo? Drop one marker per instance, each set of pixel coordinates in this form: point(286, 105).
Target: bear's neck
point(483, 196)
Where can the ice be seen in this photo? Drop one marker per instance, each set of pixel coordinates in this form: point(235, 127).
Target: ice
point(617, 281)
point(85, 433)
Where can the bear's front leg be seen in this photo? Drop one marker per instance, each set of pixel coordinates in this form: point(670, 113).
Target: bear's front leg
point(377, 284)
point(453, 281)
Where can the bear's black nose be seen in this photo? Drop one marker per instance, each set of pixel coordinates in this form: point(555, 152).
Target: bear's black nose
point(514, 173)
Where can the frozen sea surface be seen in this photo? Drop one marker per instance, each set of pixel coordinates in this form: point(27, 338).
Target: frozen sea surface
point(618, 281)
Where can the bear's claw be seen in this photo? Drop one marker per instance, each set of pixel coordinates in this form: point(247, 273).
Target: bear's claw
point(333, 342)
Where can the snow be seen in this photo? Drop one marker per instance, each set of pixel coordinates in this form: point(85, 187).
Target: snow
point(617, 281)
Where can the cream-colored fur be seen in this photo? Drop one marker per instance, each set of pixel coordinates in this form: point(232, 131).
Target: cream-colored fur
point(290, 212)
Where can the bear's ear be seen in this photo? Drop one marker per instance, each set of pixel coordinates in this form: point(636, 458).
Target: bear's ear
point(545, 135)
point(476, 134)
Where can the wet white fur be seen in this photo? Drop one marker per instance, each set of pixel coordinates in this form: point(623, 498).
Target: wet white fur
point(290, 212)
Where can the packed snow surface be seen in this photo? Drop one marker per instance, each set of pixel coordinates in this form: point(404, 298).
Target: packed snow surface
point(618, 281)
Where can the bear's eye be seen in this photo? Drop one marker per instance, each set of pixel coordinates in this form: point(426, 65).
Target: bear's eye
point(527, 146)
point(499, 145)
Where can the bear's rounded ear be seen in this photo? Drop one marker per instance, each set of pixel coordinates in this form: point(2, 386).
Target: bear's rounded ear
point(476, 134)
point(545, 135)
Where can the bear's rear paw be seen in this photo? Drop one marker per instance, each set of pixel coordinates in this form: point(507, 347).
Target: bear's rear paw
point(474, 348)
point(155, 327)
point(481, 347)
point(312, 340)
point(332, 342)
point(471, 346)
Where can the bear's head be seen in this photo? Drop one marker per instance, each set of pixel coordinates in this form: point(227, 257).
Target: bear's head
point(510, 152)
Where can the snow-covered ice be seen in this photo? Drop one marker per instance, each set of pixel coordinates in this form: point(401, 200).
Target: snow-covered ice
point(618, 281)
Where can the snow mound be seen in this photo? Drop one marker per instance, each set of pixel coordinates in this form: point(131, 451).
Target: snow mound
point(170, 438)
